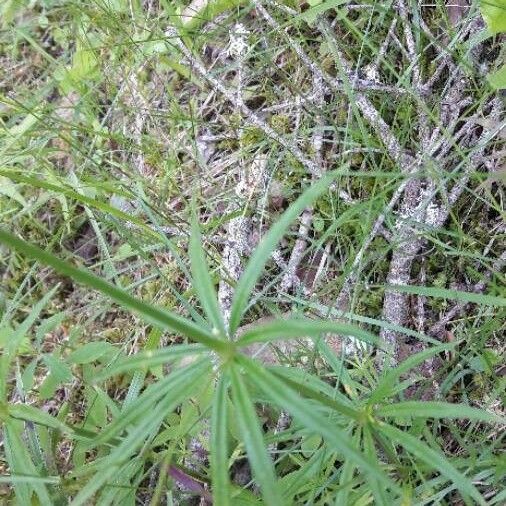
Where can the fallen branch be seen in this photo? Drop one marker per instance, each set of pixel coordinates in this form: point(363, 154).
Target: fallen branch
point(249, 117)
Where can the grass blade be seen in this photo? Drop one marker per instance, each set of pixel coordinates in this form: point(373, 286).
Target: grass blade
point(338, 406)
point(330, 312)
point(305, 413)
point(50, 480)
point(261, 464)
point(147, 427)
point(144, 403)
point(389, 380)
point(219, 446)
point(20, 463)
point(202, 282)
point(62, 190)
point(432, 458)
point(346, 474)
point(31, 413)
point(436, 409)
point(160, 317)
point(261, 254)
point(149, 358)
point(443, 293)
point(377, 490)
point(15, 339)
point(303, 327)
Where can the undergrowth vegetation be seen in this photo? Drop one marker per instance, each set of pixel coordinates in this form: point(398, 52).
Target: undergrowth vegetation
point(252, 252)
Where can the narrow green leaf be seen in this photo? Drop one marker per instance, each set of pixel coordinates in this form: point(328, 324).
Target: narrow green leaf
point(303, 327)
point(443, 293)
point(378, 492)
point(199, 12)
point(16, 337)
point(145, 402)
point(149, 358)
point(220, 485)
point(311, 14)
point(497, 79)
point(432, 458)
point(150, 346)
point(262, 253)
point(163, 318)
point(301, 377)
point(62, 190)
point(147, 427)
point(51, 480)
point(494, 14)
point(346, 474)
point(344, 315)
point(343, 408)
point(202, 282)
point(295, 481)
point(89, 352)
point(20, 463)
point(305, 413)
point(387, 383)
point(123, 486)
point(261, 464)
point(436, 409)
point(36, 415)
point(8, 188)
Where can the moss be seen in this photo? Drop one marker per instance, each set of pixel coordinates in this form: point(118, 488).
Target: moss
point(235, 120)
point(281, 123)
point(440, 280)
point(251, 136)
point(113, 335)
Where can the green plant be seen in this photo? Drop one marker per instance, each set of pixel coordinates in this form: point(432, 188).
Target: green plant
point(494, 13)
point(123, 124)
point(356, 433)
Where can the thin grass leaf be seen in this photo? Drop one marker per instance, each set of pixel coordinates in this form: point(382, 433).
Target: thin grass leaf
point(312, 13)
point(151, 344)
point(301, 377)
point(292, 328)
point(388, 382)
point(378, 492)
point(160, 317)
point(202, 282)
point(300, 409)
point(22, 489)
point(200, 11)
point(293, 482)
point(136, 437)
point(432, 458)
point(346, 474)
point(329, 311)
point(145, 402)
point(50, 480)
point(20, 463)
point(330, 402)
point(90, 352)
point(261, 464)
point(125, 482)
point(92, 486)
point(262, 253)
point(443, 293)
point(149, 358)
point(62, 190)
point(219, 447)
point(37, 416)
point(16, 337)
point(436, 409)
